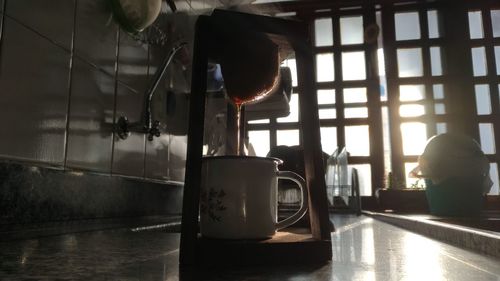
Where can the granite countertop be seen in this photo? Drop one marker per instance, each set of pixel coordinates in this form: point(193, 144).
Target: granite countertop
point(143, 253)
point(363, 249)
point(44, 229)
point(480, 234)
point(90, 255)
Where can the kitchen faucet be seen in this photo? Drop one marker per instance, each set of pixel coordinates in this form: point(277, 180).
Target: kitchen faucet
point(147, 125)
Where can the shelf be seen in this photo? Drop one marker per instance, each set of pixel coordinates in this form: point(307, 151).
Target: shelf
point(284, 248)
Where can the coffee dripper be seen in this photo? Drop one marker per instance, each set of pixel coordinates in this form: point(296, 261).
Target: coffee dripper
point(214, 36)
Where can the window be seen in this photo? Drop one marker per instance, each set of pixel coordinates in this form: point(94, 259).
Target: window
point(416, 96)
point(484, 30)
point(344, 92)
point(382, 99)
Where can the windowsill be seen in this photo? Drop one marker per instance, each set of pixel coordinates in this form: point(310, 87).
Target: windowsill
point(440, 228)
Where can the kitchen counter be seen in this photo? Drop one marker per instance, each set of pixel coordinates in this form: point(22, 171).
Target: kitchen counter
point(363, 249)
point(481, 234)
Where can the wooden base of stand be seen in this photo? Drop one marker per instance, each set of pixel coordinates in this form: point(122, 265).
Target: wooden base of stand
point(284, 248)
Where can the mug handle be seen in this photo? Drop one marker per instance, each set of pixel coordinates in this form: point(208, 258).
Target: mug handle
point(304, 203)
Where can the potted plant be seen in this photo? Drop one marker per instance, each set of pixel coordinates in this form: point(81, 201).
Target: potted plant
point(401, 198)
point(456, 174)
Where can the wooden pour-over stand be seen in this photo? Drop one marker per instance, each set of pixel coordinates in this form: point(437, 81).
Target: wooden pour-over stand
point(285, 247)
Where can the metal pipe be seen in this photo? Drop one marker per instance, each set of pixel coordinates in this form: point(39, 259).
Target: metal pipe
point(148, 122)
point(147, 125)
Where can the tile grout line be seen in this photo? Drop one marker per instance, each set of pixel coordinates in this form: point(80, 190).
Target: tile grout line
point(144, 164)
point(115, 98)
point(2, 24)
point(55, 42)
point(74, 53)
point(70, 88)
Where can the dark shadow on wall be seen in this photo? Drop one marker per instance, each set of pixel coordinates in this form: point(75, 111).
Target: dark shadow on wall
point(37, 195)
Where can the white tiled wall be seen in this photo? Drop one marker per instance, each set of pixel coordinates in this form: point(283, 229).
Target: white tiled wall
point(68, 72)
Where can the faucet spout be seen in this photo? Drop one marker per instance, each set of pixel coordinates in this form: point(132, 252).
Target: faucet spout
point(147, 125)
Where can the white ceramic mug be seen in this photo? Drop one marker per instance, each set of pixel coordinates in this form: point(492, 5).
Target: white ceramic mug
point(238, 198)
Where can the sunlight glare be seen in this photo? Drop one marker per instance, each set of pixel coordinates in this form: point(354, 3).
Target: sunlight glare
point(421, 258)
point(411, 110)
point(414, 137)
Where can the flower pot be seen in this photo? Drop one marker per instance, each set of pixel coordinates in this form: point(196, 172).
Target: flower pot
point(455, 197)
point(406, 200)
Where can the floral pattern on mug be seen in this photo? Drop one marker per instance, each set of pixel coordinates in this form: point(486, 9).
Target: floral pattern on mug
point(211, 203)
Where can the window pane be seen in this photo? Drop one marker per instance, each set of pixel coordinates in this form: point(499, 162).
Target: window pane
point(324, 67)
point(356, 112)
point(411, 110)
point(438, 91)
point(287, 137)
point(439, 109)
point(475, 25)
point(381, 62)
point(497, 59)
point(260, 121)
point(411, 92)
point(365, 179)
point(494, 178)
point(294, 110)
point(357, 140)
point(410, 62)
point(479, 61)
point(383, 89)
point(353, 65)
point(487, 138)
point(433, 20)
point(329, 113)
point(483, 102)
point(291, 63)
point(414, 137)
point(386, 137)
point(260, 142)
point(351, 30)
point(326, 96)
point(441, 128)
point(328, 139)
point(495, 22)
point(436, 67)
point(354, 95)
point(407, 26)
point(323, 33)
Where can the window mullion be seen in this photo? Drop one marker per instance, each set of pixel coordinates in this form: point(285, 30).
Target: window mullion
point(391, 70)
